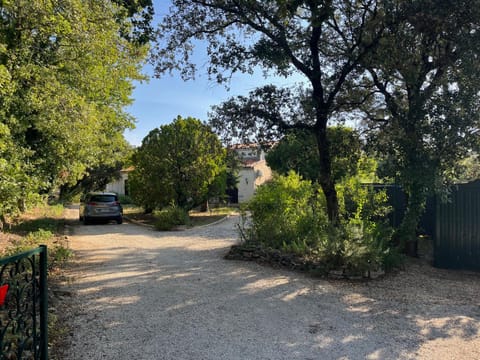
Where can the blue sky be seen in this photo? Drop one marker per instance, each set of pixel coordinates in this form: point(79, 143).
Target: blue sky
point(159, 101)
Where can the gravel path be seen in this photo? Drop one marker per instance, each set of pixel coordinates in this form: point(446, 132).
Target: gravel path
point(141, 294)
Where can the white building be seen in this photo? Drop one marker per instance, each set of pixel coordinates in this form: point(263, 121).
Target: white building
point(120, 186)
point(253, 171)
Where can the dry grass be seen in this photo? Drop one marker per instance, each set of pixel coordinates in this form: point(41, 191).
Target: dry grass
point(197, 218)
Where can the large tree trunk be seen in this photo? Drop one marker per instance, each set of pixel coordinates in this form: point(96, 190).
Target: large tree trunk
point(407, 232)
point(415, 177)
point(325, 177)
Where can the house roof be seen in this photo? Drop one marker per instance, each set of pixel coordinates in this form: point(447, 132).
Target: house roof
point(251, 163)
point(265, 145)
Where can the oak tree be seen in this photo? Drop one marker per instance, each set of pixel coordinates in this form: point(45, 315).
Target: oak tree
point(426, 73)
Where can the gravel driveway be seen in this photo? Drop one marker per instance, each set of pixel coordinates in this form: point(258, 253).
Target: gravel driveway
point(141, 294)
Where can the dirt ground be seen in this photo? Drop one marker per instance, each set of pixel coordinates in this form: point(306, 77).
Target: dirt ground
point(139, 294)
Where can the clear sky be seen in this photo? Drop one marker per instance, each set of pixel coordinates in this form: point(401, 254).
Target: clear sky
point(159, 101)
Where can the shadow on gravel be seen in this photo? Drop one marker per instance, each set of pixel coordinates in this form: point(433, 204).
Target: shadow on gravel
point(184, 301)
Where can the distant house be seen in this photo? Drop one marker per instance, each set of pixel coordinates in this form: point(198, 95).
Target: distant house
point(253, 171)
point(120, 186)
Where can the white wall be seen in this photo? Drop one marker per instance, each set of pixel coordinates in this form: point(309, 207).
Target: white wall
point(250, 178)
point(246, 184)
point(118, 186)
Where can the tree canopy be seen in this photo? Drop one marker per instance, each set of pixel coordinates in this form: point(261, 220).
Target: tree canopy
point(410, 66)
point(66, 74)
point(297, 151)
point(324, 41)
point(177, 163)
point(426, 75)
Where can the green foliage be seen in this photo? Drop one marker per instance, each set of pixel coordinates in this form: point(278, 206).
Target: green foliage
point(65, 76)
point(289, 214)
point(179, 162)
point(426, 72)
point(15, 179)
point(298, 151)
point(468, 169)
point(322, 41)
point(140, 13)
point(170, 217)
point(125, 199)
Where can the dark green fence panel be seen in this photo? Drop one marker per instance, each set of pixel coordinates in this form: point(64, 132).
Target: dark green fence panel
point(23, 306)
point(398, 201)
point(457, 229)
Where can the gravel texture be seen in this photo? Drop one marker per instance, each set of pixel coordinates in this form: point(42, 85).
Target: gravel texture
point(141, 294)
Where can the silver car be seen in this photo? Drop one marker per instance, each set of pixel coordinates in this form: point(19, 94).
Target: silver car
point(101, 206)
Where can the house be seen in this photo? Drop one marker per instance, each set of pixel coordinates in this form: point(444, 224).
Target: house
point(120, 186)
point(253, 170)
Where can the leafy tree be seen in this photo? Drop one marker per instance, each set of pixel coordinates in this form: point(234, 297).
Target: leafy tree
point(15, 183)
point(426, 72)
point(324, 41)
point(297, 151)
point(140, 13)
point(176, 163)
point(66, 74)
point(468, 169)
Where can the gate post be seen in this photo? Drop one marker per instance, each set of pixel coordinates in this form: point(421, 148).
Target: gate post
point(43, 304)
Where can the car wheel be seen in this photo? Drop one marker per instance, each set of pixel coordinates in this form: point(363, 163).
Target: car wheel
point(119, 220)
point(85, 220)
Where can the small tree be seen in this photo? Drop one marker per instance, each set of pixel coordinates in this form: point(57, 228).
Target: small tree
point(176, 163)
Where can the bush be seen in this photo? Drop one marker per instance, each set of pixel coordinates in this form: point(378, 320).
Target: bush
point(289, 214)
point(125, 199)
point(171, 217)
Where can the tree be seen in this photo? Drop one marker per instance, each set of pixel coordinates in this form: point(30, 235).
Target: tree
point(297, 151)
point(176, 163)
point(97, 178)
point(468, 169)
point(325, 41)
point(66, 74)
point(140, 13)
point(426, 72)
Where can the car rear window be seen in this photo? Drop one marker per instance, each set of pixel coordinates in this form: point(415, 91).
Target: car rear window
point(103, 198)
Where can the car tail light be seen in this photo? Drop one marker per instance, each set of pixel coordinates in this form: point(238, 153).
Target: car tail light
point(92, 203)
point(117, 203)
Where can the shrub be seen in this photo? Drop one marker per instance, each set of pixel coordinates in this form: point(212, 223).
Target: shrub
point(171, 217)
point(289, 214)
point(125, 199)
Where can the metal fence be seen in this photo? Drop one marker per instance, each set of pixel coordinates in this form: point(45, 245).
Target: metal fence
point(453, 225)
point(398, 201)
point(457, 229)
point(23, 306)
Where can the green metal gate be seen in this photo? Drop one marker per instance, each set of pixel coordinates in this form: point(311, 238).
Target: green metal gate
point(457, 229)
point(23, 306)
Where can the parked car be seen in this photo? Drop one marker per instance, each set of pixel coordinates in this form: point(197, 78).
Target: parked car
point(101, 206)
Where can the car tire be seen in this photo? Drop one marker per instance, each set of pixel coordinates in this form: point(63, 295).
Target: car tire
point(119, 220)
point(85, 221)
